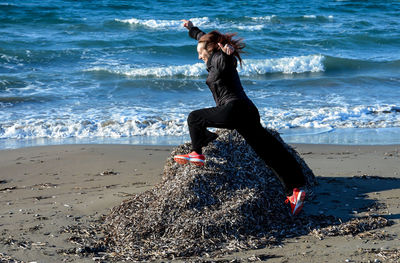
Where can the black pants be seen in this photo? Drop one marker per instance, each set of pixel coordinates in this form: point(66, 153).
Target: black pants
point(244, 117)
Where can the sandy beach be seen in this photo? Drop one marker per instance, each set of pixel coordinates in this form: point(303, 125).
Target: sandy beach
point(43, 190)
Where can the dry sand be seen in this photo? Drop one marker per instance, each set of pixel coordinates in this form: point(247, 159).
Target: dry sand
point(45, 189)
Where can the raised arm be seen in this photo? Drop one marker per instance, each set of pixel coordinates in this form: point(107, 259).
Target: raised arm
point(194, 32)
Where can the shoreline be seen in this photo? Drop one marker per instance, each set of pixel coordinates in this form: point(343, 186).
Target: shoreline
point(315, 136)
point(45, 189)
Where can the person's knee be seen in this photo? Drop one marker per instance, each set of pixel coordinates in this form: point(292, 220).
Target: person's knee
point(193, 118)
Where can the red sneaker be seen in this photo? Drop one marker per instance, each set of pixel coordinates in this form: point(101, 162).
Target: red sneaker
point(296, 200)
point(193, 157)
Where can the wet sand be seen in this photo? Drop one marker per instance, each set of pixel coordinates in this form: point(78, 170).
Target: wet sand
point(43, 190)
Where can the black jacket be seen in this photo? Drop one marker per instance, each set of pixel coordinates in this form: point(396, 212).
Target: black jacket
point(223, 78)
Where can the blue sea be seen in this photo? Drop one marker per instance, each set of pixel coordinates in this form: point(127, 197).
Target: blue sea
point(127, 72)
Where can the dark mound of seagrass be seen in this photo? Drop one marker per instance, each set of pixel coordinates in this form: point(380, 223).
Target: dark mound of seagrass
point(234, 202)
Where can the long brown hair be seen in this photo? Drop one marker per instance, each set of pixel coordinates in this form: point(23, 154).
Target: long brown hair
point(212, 39)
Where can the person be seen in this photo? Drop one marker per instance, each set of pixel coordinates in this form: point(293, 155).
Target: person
point(234, 110)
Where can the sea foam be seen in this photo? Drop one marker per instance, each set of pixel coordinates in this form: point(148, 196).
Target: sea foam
point(288, 65)
point(377, 116)
point(263, 18)
point(164, 24)
point(202, 22)
point(94, 126)
point(123, 122)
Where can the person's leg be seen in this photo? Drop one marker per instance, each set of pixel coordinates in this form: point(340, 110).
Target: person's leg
point(199, 134)
point(275, 155)
point(200, 120)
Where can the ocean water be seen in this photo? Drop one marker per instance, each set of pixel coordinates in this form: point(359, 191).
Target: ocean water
point(127, 72)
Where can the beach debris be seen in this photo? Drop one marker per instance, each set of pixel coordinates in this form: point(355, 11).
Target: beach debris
point(7, 189)
point(43, 186)
point(6, 258)
point(233, 203)
point(10, 241)
point(123, 194)
point(382, 255)
point(376, 235)
point(40, 197)
point(108, 172)
point(35, 228)
point(353, 227)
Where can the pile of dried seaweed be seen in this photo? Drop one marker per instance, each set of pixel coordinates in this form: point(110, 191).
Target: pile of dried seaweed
point(232, 203)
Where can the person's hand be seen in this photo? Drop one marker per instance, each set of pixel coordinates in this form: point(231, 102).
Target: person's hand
point(187, 23)
point(228, 49)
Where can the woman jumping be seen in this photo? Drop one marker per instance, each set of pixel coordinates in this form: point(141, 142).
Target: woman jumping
point(234, 110)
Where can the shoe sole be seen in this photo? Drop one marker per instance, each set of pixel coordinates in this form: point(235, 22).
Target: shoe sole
point(183, 160)
point(300, 202)
point(197, 162)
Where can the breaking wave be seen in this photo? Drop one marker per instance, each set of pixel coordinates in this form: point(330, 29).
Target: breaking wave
point(250, 24)
point(289, 65)
point(124, 122)
point(163, 24)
